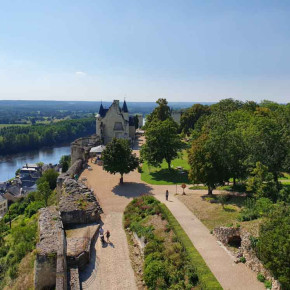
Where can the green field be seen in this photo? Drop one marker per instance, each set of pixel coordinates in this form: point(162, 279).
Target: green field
point(13, 125)
point(162, 176)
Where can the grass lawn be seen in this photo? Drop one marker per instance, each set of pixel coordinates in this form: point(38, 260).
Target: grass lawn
point(213, 215)
point(286, 176)
point(13, 125)
point(162, 176)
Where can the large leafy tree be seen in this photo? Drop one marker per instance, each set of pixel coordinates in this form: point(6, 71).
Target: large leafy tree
point(118, 158)
point(191, 116)
point(160, 113)
point(273, 247)
point(162, 142)
point(266, 142)
point(206, 165)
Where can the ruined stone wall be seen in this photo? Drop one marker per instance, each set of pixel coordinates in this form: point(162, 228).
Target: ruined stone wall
point(80, 148)
point(225, 234)
point(78, 204)
point(61, 263)
point(50, 229)
point(74, 283)
point(76, 168)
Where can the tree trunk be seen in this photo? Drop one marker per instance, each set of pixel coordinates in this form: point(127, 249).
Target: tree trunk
point(234, 181)
point(209, 190)
point(276, 179)
point(169, 164)
point(121, 180)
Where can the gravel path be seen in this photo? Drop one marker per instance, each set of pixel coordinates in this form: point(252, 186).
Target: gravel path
point(110, 268)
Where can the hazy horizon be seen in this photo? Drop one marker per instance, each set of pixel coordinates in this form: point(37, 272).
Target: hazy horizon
point(189, 51)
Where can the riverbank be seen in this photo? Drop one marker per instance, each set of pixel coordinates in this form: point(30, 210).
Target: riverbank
point(10, 163)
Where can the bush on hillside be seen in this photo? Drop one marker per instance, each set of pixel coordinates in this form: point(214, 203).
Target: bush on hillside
point(273, 247)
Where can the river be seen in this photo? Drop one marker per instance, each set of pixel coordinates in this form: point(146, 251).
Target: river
point(10, 163)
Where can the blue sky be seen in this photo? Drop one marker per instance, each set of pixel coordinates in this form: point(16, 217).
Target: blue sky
point(143, 50)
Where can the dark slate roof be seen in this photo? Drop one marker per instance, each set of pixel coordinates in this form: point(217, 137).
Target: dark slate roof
point(131, 121)
point(103, 111)
point(125, 108)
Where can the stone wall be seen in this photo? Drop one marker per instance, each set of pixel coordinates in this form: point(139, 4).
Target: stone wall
point(74, 279)
point(61, 263)
point(76, 168)
point(78, 204)
point(80, 148)
point(227, 234)
point(50, 229)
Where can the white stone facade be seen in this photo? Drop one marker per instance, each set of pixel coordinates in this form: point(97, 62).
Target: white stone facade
point(114, 123)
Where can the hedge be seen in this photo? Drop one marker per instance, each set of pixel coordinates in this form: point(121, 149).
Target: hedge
point(206, 278)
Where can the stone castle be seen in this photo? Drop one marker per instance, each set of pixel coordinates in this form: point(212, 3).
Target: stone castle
point(115, 123)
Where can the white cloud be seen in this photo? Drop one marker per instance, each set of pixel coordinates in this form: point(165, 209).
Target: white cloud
point(80, 73)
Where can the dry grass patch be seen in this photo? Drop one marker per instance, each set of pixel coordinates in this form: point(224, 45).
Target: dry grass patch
point(213, 214)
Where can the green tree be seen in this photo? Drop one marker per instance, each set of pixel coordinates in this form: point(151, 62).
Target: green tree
point(118, 158)
point(160, 113)
point(205, 163)
point(191, 116)
point(45, 191)
point(262, 182)
point(273, 247)
point(266, 142)
point(50, 176)
point(65, 162)
point(162, 142)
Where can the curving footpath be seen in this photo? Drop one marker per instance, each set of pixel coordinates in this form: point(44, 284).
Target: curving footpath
point(111, 267)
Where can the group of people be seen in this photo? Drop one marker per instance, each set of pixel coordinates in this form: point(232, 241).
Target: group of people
point(107, 234)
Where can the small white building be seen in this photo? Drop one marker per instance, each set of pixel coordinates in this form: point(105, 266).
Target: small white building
point(115, 123)
point(3, 206)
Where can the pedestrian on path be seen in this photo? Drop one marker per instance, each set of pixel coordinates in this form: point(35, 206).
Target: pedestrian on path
point(166, 194)
point(108, 236)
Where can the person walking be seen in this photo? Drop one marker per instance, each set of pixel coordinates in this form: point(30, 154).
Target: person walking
point(166, 194)
point(108, 234)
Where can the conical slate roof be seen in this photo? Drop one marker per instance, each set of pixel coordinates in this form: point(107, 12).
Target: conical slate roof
point(125, 108)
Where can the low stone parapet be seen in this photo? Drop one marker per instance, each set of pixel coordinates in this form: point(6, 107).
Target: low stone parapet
point(48, 247)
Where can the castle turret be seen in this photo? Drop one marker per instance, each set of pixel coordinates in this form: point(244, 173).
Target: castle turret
point(125, 111)
point(98, 125)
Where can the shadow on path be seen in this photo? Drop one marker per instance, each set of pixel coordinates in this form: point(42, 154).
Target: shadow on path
point(132, 189)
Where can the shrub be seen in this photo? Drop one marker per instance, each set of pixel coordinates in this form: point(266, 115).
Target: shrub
point(273, 244)
point(268, 284)
point(152, 274)
point(243, 260)
point(222, 199)
point(249, 212)
point(264, 206)
point(261, 277)
point(254, 242)
point(33, 207)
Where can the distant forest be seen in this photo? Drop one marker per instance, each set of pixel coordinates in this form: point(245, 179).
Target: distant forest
point(16, 139)
point(24, 112)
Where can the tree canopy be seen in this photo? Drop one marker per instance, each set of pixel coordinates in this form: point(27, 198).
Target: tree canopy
point(162, 142)
point(160, 113)
point(118, 158)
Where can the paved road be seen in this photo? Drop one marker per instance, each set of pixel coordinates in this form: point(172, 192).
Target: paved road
point(111, 268)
